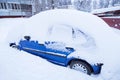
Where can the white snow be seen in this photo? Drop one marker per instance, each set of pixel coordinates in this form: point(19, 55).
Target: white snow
point(19, 65)
point(105, 9)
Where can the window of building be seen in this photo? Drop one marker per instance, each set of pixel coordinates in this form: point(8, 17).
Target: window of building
point(9, 6)
point(15, 6)
point(12, 5)
point(18, 6)
point(5, 6)
point(25, 7)
point(2, 6)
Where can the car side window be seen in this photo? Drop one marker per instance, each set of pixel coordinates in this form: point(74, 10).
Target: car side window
point(60, 33)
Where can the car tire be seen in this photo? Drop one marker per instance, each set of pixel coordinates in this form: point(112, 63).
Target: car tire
point(81, 66)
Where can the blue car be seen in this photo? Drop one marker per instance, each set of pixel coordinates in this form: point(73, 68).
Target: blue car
point(57, 52)
point(57, 56)
point(67, 44)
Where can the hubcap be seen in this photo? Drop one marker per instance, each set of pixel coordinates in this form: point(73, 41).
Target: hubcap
point(80, 67)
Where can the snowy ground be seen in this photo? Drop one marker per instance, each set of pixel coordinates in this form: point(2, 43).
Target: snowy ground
point(18, 65)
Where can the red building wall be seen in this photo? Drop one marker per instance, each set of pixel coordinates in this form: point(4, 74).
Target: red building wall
point(112, 22)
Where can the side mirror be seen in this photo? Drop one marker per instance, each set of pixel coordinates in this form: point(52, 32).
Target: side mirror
point(27, 38)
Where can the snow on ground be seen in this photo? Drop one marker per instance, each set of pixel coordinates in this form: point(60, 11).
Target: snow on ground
point(19, 65)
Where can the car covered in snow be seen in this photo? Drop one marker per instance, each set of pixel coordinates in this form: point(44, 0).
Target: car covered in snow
point(68, 38)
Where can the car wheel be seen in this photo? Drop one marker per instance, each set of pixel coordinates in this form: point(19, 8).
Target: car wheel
point(81, 66)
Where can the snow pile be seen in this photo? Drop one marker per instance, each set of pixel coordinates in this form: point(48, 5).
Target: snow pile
point(13, 29)
point(16, 65)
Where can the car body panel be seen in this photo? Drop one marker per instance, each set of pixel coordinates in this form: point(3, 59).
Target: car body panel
point(41, 50)
point(56, 56)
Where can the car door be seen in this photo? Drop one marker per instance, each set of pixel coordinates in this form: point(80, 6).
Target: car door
point(58, 35)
